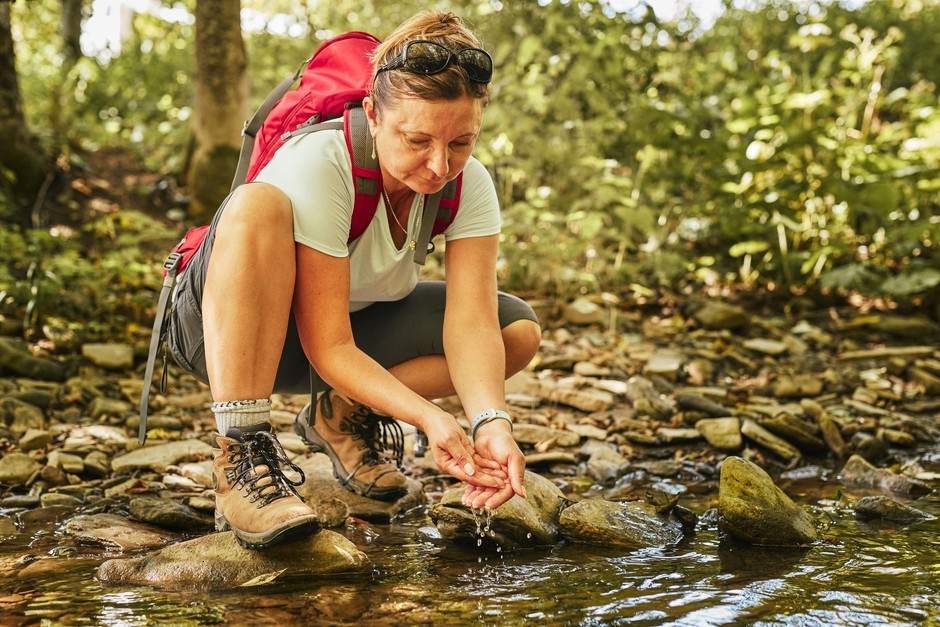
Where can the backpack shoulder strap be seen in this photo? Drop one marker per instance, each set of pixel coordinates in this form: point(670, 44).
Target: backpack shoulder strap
point(367, 179)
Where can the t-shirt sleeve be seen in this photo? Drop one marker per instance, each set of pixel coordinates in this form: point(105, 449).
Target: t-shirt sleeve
point(313, 170)
point(478, 212)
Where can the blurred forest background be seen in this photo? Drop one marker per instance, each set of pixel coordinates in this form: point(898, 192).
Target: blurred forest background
point(791, 149)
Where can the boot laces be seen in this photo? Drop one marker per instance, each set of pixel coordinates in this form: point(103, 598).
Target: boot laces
point(261, 450)
point(382, 437)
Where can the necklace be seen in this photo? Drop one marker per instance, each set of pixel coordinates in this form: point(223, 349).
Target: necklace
point(391, 209)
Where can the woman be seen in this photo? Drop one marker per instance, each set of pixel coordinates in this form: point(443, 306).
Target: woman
point(276, 289)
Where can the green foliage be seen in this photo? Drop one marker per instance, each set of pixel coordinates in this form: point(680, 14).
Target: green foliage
point(792, 145)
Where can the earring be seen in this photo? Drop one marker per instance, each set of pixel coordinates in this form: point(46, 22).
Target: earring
point(373, 146)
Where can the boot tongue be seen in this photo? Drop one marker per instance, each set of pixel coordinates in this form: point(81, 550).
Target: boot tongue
point(239, 433)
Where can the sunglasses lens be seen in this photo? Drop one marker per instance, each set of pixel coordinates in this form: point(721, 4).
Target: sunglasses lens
point(425, 57)
point(477, 63)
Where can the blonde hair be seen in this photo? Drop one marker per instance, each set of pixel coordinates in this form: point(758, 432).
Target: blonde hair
point(443, 28)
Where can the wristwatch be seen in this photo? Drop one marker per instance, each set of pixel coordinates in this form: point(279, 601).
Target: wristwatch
point(488, 416)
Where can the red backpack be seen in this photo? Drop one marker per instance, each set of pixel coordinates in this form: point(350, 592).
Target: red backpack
point(333, 83)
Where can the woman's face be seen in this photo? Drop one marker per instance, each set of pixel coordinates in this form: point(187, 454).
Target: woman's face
point(423, 144)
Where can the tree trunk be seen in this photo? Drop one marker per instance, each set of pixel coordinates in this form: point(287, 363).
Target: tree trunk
point(70, 28)
point(22, 167)
point(220, 103)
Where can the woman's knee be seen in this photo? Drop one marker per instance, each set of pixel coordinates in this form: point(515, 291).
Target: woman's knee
point(261, 208)
point(521, 339)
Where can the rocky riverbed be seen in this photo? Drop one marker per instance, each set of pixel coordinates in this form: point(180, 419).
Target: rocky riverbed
point(623, 419)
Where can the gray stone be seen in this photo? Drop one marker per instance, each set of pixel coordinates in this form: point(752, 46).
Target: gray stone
point(110, 356)
point(168, 514)
point(753, 509)
point(778, 446)
point(588, 431)
point(585, 399)
point(101, 407)
point(605, 464)
point(216, 561)
point(796, 431)
point(633, 524)
point(15, 357)
point(717, 315)
point(696, 402)
point(17, 468)
point(581, 311)
point(884, 508)
point(859, 474)
point(20, 416)
point(321, 489)
point(158, 457)
point(535, 434)
point(169, 423)
point(722, 433)
point(115, 532)
point(68, 462)
point(35, 439)
point(646, 399)
point(669, 435)
point(519, 522)
point(97, 464)
point(797, 386)
point(766, 346)
point(664, 363)
point(54, 499)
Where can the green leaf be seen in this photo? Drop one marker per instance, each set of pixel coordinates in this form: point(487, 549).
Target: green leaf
point(912, 282)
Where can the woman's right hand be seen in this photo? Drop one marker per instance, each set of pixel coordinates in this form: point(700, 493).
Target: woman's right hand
point(453, 453)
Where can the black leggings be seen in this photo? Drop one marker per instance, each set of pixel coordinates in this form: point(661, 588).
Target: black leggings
point(389, 332)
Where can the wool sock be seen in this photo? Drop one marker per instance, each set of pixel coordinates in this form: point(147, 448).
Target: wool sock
point(247, 413)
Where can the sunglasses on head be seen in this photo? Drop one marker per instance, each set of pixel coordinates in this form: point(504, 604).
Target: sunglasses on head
point(427, 57)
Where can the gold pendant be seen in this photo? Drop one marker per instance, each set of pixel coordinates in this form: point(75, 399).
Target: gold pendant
point(413, 245)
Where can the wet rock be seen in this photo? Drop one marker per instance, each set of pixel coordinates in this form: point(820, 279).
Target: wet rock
point(17, 468)
point(634, 524)
point(794, 430)
point(15, 357)
point(216, 561)
point(722, 433)
point(158, 457)
point(605, 464)
point(582, 311)
point(97, 464)
point(797, 386)
point(20, 416)
point(35, 439)
point(20, 500)
point(110, 356)
point(115, 532)
point(33, 518)
point(895, 437)
point(778, 446)
point(331, 512)
point(859, 474)
point(54, 499)
point(532, 521)
point(535, 434)
point(754, 509)
point(884, 508)
point(168, 514)
point(321, 488)
point(696, 402)
point(717, 315)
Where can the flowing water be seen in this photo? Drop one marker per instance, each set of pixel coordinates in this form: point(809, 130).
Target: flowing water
point(857, 574)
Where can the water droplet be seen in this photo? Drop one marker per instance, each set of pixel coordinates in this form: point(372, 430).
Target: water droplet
point(479, 542)
point(528, 535)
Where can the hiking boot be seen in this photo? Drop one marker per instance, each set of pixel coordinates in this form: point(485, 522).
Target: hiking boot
point(366, 449)
point(253, 498)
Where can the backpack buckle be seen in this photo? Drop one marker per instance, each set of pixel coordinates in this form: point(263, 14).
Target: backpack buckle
point(172, 263)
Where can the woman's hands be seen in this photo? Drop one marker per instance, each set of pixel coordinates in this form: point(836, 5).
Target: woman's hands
point(497, 456)
point(453, 453)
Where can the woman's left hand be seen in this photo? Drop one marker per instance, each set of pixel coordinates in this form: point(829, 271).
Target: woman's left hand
point(499, 456)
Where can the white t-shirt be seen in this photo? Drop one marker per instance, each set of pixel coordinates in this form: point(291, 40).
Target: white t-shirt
point(315, 171)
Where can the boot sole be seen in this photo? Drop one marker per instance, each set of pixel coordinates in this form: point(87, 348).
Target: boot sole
point(316, 444)
point(301, 526)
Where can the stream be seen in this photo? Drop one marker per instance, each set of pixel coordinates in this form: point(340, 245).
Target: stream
point(857, 574)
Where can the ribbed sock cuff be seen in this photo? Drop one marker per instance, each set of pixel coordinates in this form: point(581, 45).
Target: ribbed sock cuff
point(246, 413)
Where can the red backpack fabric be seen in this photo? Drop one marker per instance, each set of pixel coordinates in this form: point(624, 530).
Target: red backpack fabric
point(333, 83)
